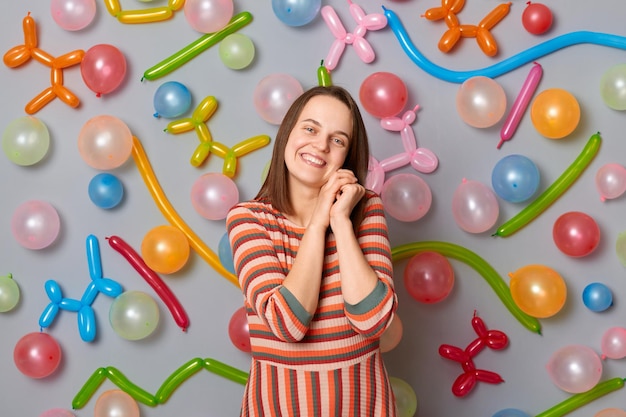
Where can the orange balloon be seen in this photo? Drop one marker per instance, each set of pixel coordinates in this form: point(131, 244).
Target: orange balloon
point(165, 249)
point(555, 113)
point(538, 290)
point(392, 335)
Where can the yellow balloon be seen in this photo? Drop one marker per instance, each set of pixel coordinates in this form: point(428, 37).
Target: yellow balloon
point(538, 291)
point(555, 113)
point(165, 249)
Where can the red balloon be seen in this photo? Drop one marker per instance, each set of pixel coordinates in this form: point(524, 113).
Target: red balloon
point(428, 277)
point(576, 234)
point(37, 355)
point(239, 331)
point(383, 94)
point(537, 18)
point(103, 68)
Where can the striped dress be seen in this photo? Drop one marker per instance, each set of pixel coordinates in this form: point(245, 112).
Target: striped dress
point(326, 364)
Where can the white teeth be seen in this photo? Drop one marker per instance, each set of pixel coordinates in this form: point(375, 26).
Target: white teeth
point(312, 159)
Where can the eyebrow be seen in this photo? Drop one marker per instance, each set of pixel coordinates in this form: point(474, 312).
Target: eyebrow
point(316, 123)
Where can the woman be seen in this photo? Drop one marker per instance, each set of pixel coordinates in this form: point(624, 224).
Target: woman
point(313, 258)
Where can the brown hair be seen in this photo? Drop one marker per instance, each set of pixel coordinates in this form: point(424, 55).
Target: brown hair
point(275, 189)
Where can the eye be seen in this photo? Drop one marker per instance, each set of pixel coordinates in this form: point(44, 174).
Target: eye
point(309, 129)
point(339, 141)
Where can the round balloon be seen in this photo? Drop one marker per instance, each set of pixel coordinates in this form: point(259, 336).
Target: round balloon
point(613, 87)
point(134, 315)
point(537, 18)
point(35, 224)
point(26, 140)
point(428, 277)
point(392, 336)
point(481, 101)
point(273, 96)
point(597, 296)
point(575, 368)
point(171, 99)
point(538, 290)
point(555, 113)
point(406, 400)
point(406, 197)
point(610, 412)
point(208, 16)
point(296, 12)
point(103, 68)
point(213, 194)
point(105, 190)
point(576, 234)
point(225, 253)
point(105, 142)
point(474, 206)
point(37, 355)
point(613, 343)
point(165, 249)
point(9, 294)
point(611, 181)
point(238, 330)
point(515, 178)
point(236, 51)
point(383, 94)
point(57, 412)
point(73, 14)
point(116, 403)
point(620, 248)
point(511, 412)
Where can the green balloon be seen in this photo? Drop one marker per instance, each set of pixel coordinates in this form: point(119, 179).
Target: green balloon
point(406, 400)
point(134, 315)
point(236, 51)
point(26, 140)
point(613, 87)
point(9, 293)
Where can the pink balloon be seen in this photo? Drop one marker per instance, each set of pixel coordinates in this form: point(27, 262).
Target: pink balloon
point(475, 206)
point(208, 16)
point(481, 102)
point(274, 95)
point(406, 197)
point(238, 330)
point(103, 68)
point(73, 14)
point(575, 368)
point(383, 94)
point(37, 355)
point(428, 277)
point(35, 224)
point(611, 181)
point(116, 403)
point(576, 234)
point(610, 412)
point(57, 412)
point(213, 194)
point(613, 344)
point(105, 142)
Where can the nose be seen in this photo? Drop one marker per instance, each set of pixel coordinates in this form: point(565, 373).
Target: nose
point(321, 143)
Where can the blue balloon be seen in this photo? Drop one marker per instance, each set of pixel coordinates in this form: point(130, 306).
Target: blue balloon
point(515, 178)
point(296, 12)
point(225, 253)
point(171, 99)
point(597, 297)
point(511, 412)
point(106, 190)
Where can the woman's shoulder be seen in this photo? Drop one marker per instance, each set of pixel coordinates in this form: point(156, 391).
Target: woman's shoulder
point(256, 208)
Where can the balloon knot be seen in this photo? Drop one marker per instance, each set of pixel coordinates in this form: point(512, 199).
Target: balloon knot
point(98, 95)
point(156, 115)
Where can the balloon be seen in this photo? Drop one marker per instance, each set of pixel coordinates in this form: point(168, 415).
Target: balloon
point(238, 330)
point(26, 140)
point(406, 197)
point(105, 142)
point(236, 51)
point(575, 368)
point(481, 102)
point(103, 68)
point(154, 14)
point(134, 315)
point(273, 96)
point(554, 191)
point(157, 284)
point(105, 190)
point(474, 206)
point(406, 400)
point(481, 266)
point(225, 253)
point(166, 208)
point(296, 12)
point(613, 344)
point(208, 16)
point(611, 181)
point(116, 403)
point(392, 335)
point(57, 412)
point(230, 155)
point(73, 14)
point(538, 290)
point(35, 224)
point(165, 249)
point(610, 412)
point(613, 87)
point(515, 178)
point(597, 297)
point(37, 355)
point(383, 94)
point(428, 277)
point(511, 412)
point(192, 50)
point(9, 293)
point(537, 18)
point(578, 400)
point(171, 99)
point(213, 195)
point(555, 113)
point(323, 75)
point(576, 234)
point(520, 104)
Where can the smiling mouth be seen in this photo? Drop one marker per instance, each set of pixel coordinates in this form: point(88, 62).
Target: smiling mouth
point(311, 160)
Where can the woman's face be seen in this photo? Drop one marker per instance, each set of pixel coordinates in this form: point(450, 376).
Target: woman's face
point(318, 143)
